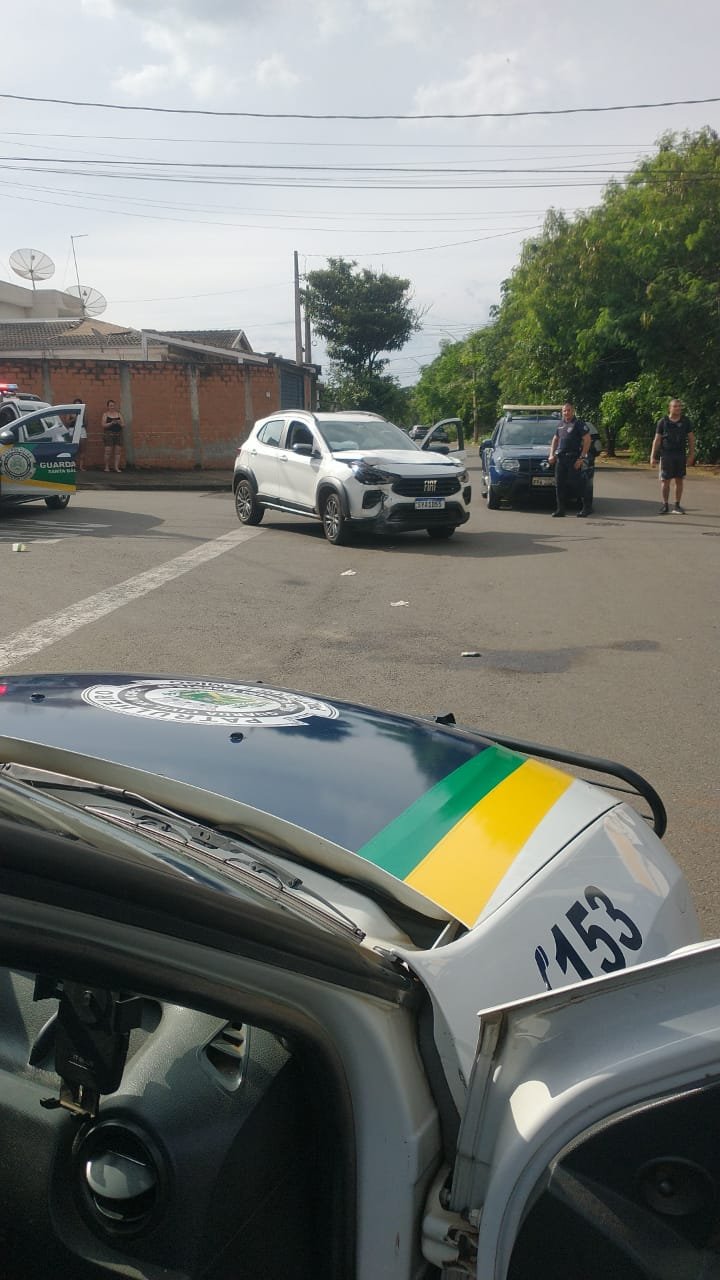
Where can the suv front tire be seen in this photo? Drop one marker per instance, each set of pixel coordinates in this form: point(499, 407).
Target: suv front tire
point(335, 526)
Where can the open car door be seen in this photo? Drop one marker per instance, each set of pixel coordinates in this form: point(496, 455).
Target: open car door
point(589, 1144)
point(446, 436)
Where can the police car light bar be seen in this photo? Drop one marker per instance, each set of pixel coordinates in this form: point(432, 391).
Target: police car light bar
point(7, 386)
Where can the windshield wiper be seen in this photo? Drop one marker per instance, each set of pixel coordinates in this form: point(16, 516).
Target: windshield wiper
point(237, 860)
point(149, 831)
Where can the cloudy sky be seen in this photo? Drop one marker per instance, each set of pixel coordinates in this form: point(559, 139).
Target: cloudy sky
point(190, 220)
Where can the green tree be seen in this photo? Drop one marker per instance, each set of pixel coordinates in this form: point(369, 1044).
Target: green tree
point(360, 314)
point(625, 293)
point(629, 414)
point(378, 394)
point(460, 383)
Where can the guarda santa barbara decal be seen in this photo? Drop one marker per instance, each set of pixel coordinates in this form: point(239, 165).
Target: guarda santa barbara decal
point(41, 469)
point(455, 843)
point(208, 702)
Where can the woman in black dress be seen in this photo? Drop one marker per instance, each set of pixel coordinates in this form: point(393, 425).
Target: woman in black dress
point(112, 425)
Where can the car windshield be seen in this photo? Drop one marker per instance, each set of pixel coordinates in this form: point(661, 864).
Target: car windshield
point(527, 433)
point(374, 433)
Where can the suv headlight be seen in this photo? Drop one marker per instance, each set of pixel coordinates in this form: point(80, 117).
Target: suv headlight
point(366, 473)
point(510, 464)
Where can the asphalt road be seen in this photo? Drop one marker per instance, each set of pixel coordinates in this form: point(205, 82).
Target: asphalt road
point(599, 635)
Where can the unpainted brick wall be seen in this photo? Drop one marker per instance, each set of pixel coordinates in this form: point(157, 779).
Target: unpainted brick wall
point(168, 423)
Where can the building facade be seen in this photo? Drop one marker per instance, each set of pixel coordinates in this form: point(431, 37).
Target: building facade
point(188, 398)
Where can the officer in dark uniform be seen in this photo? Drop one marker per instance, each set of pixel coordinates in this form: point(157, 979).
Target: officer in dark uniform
point(569, 448)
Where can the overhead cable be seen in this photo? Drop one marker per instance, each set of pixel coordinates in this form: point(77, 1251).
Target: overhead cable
point(337, 115)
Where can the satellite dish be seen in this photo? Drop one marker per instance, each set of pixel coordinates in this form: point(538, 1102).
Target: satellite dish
point(32, 264)
point(92, 300)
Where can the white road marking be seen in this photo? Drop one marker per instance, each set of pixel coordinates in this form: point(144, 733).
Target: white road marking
point(23, 644)
point(26, 529)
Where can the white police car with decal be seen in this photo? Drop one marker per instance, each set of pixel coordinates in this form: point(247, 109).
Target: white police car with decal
point(304, 990)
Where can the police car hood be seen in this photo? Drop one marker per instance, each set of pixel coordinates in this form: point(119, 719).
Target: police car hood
point(522, 450)
point(439, 818)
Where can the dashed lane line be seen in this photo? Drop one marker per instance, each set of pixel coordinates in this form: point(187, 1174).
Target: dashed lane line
point(24, 644)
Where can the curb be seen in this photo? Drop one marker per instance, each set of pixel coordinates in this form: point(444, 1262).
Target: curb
point(183, 481)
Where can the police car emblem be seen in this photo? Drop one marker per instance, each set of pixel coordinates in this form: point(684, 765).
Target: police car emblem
point(208, 702)
point(17, 464)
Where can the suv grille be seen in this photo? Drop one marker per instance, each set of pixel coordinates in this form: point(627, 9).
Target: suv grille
point(442, 486)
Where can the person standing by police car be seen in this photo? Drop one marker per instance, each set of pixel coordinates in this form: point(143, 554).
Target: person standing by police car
point(568, 451)
point(673, 436)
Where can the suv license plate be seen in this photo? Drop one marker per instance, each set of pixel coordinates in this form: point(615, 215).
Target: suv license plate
point(429, 504)
point(543, 480)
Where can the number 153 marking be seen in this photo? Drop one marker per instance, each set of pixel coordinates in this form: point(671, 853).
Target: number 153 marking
point(598, 925)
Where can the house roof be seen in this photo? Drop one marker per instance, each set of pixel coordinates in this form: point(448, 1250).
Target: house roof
point(58, 335)
point(232, 339)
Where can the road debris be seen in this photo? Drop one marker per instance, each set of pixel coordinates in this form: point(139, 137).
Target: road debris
point(399, 604)
point(348, 573)
point(471, 653)
point(19, 546)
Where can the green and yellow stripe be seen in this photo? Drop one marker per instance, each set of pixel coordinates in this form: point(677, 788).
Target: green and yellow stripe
point(455, 843)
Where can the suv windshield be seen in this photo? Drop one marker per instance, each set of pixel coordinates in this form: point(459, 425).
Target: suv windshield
point(527, 433)
point(340, 434)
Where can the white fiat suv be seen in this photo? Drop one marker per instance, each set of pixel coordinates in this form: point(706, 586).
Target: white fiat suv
point(352, 471)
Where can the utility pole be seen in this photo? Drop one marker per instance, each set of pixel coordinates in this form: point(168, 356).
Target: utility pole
point(298, 315)
point(308, 348)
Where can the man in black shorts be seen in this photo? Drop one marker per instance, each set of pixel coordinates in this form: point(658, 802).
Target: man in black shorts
point(568, 450)
point(674, 439)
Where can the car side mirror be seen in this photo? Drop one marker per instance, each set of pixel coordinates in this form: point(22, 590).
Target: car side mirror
point(305, 450)
point(7, 436)
point(441, 448)
point(486, 444)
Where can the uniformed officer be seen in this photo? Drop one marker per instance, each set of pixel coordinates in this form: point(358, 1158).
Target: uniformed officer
point(568, 450)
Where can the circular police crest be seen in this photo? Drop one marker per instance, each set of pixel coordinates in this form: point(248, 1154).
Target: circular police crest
point(208, 702)
point(17, 464)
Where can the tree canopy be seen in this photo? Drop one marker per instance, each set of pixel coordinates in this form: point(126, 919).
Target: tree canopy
point(360, 314)
point(617, 308)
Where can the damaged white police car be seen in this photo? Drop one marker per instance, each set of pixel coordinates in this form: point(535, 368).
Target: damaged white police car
point(284, 993)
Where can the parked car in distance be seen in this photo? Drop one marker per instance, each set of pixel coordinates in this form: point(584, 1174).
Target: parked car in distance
point(353, 472)
point(514, 460)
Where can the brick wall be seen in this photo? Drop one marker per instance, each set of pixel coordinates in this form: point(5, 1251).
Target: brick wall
point(179, 415)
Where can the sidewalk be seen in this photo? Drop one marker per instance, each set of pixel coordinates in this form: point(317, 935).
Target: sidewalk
point(96, 478)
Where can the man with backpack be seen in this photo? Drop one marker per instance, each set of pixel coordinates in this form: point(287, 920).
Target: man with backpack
point(674, 442)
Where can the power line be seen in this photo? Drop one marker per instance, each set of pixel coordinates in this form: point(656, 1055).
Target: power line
point(311, 115)
point(430, 248)
point(210, 222)
point(400, 169)
point(262, 142)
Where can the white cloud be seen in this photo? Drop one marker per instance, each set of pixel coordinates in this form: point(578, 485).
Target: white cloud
point(490, 82)
point(144, 82)
point(330, 17)
point(184, 67)
point(274, 72)
point(209, 12)
point(98, 8)
point(406, 21)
